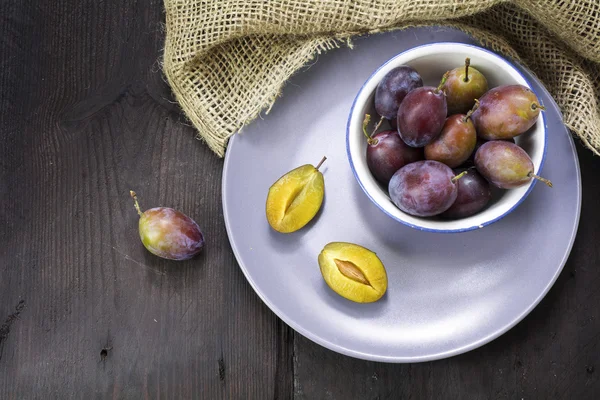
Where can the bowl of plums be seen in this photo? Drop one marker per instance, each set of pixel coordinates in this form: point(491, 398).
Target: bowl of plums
point(447, 137)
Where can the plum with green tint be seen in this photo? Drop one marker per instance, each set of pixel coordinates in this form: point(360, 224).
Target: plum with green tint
point(456, 142)
point(505, 165)
point(168, 233)
point(462, 87)
point(506, 111)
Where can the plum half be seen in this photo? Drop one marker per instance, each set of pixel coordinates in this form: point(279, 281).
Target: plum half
point(295, 198)
point(353, 271)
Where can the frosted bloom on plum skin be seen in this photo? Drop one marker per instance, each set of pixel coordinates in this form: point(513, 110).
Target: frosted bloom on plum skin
point(506, 111)
point(421, 116)
point(170, 234)
point(423, 188)
point(392, 89)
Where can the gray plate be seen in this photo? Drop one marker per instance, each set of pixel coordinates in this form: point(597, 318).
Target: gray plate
point(447, 293)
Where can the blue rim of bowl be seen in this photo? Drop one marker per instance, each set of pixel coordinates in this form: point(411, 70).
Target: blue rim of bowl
point(513, 65)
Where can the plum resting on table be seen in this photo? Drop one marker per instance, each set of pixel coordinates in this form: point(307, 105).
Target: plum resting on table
point(168, 233)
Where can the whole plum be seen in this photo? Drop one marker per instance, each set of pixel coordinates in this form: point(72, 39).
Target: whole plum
point(506, 111)
point(423, 188)
point(473, 195)
point(168, 233)
point(391, 90)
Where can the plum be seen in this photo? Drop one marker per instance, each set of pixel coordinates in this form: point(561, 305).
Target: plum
point(353, 271)
point(168, 233)
point(423, 188)
point(471, 160)
point(456, 142)
point(387, 153)
point(505, 165)
point(463, 85)
point(506, 111)
point(421, 116)
point(392, 88)
point(295, 198)
point(473, 195)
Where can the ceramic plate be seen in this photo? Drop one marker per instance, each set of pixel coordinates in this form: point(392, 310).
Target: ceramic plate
point(447, 293)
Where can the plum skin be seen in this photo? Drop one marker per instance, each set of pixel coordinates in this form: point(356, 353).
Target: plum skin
point(392, 89)
point(506, 111)
point(461, 95)
point(170, 234)
point(421, 116)
point(471, 160)
point(455, 143)
point(504, 164)
point(387, 153)
point(473, 195)
point(423, 188)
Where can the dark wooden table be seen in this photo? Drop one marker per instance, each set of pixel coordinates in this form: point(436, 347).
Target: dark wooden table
point(86, 312)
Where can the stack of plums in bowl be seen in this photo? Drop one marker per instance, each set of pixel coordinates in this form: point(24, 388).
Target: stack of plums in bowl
point(449, 148)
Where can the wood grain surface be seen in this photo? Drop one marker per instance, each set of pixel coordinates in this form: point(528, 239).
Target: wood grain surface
point(86, 312)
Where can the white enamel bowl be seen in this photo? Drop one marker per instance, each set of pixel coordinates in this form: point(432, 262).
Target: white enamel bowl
point(432, 61)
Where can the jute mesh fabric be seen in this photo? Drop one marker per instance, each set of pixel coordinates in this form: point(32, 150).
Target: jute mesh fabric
point(227, 60)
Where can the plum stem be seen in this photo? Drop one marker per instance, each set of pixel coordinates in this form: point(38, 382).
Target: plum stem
point(457, 177)
point(467, 63)
point(366, 121)
point(539, 178)
point(377, 126)
point(135, 202)
point(443, 82)
point(471, 111)
point(535, 106)
point(321, 162)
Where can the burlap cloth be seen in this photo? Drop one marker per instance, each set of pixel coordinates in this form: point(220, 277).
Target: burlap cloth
point(227, 60)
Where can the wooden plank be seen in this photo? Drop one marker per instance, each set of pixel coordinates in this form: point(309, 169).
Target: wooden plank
point(554, 353)
point(86, 117)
